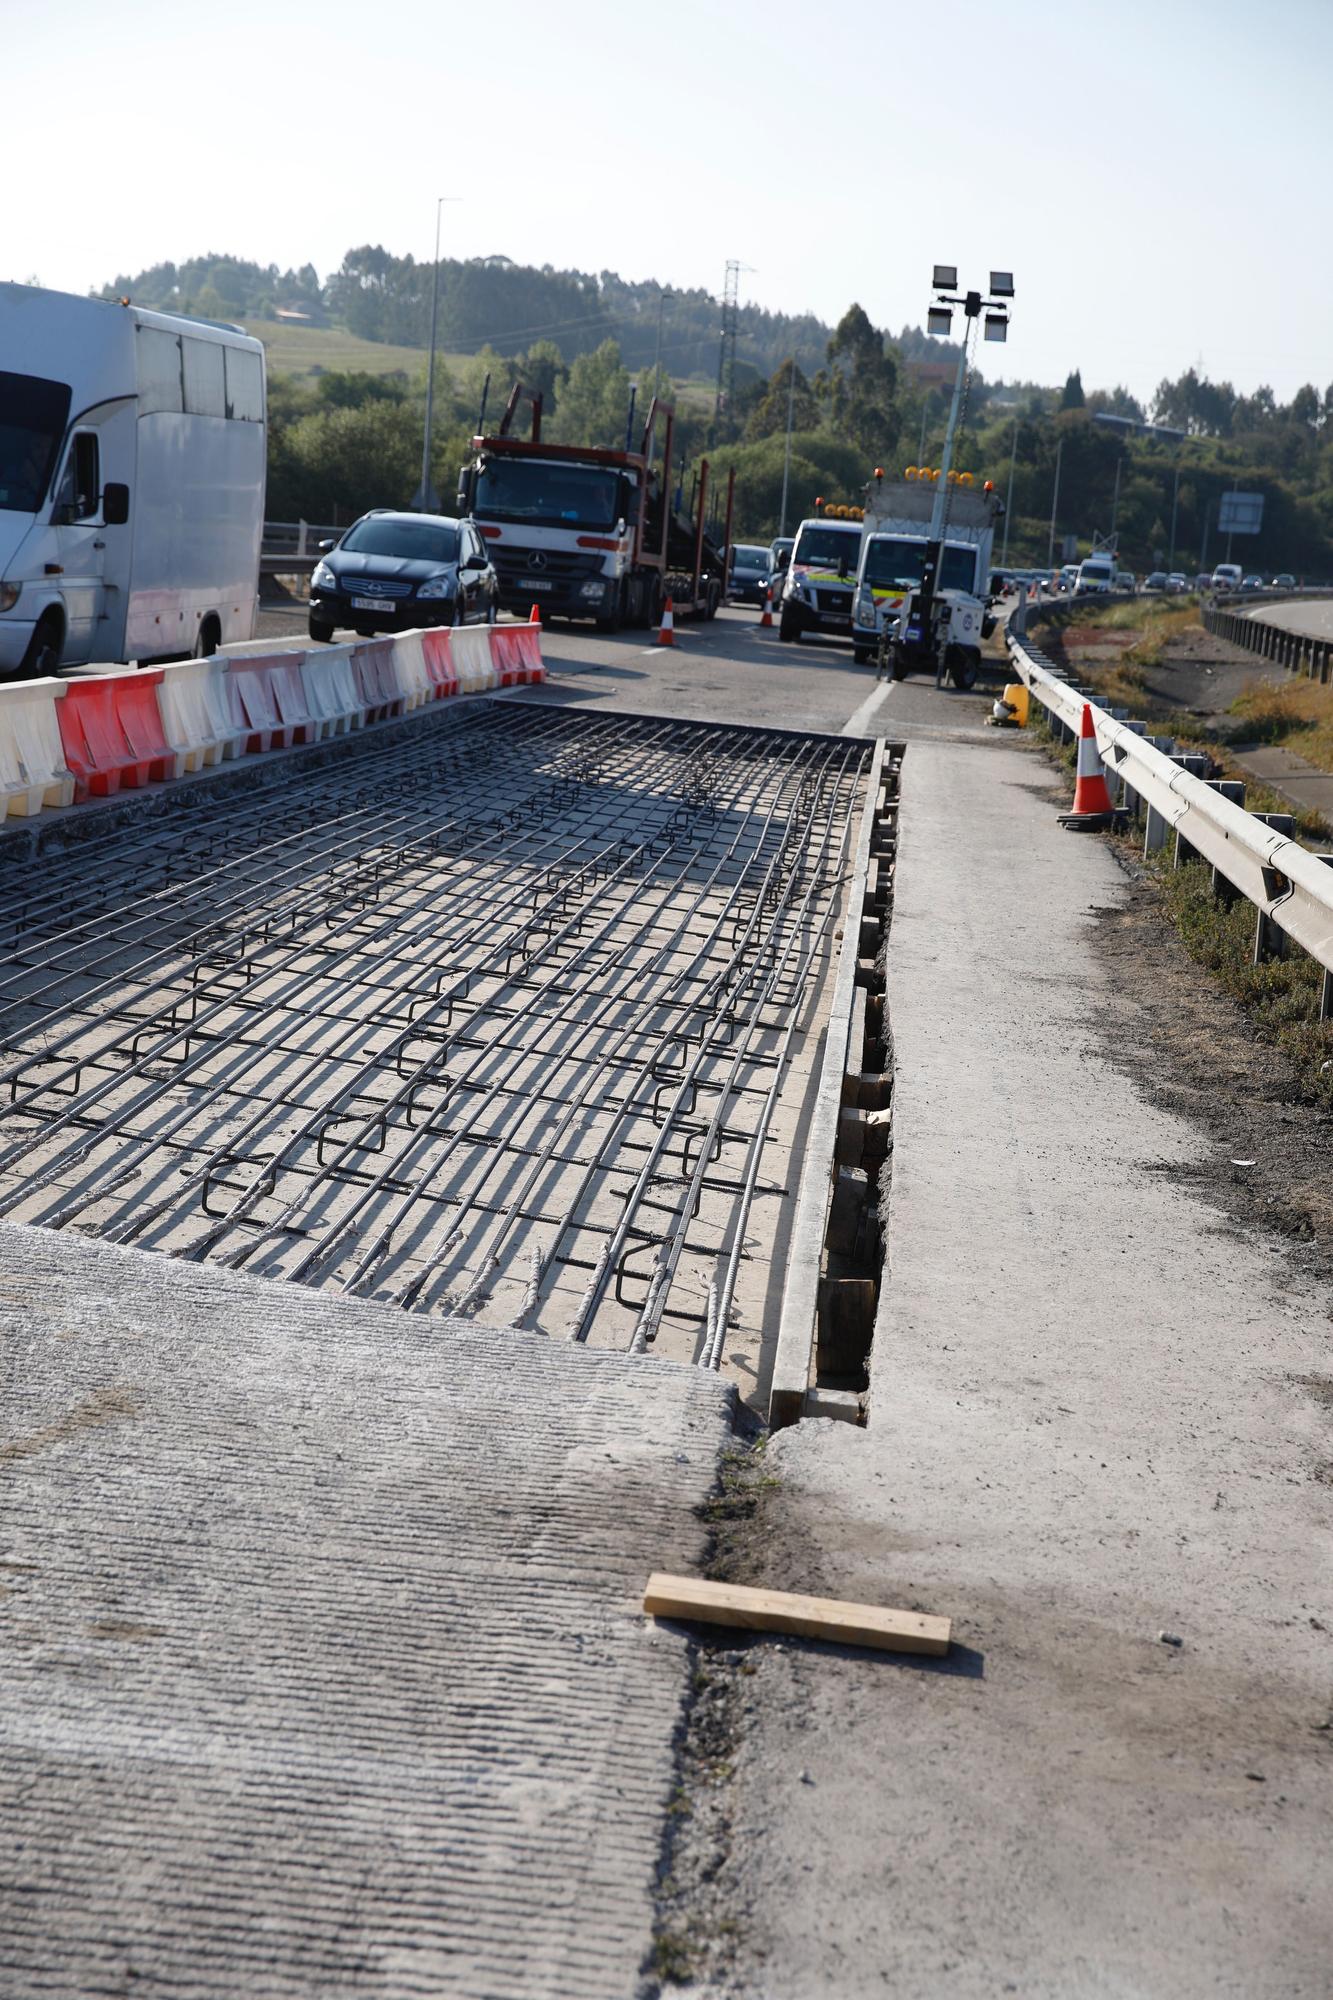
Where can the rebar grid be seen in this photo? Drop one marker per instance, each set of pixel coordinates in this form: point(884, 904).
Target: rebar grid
point(493, 1020)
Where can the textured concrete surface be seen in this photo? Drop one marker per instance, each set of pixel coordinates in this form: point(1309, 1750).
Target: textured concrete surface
point(322, 1661)
point(1098, 1415)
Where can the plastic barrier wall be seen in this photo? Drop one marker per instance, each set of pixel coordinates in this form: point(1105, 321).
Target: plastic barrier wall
point(115, 728)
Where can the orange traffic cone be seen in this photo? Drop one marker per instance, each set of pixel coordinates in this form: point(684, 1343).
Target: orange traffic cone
point(767, 618)
point(667, 631)
point(1092, 810)
point(535, 615)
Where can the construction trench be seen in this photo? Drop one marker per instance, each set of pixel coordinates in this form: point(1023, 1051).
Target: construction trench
point(513, 1015)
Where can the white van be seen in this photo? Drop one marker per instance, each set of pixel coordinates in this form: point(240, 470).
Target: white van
point(1227, 576)
point(132, 460)
point(1095, 575)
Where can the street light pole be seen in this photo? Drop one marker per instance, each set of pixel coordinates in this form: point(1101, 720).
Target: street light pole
point(1175, 503)
point(786, 456)
point(427, 499)
point(662, 298)
point(1055, 502)
point(1009, 500)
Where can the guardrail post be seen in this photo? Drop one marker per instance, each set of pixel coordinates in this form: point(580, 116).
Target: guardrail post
point(1198, 767)
point(1326, 990)
point(1226, 893)
point(1270, 940)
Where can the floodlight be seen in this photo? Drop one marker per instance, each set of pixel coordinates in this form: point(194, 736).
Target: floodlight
point(945, 278)
point(996, 326)
point(939, 320)
point(1002, 284)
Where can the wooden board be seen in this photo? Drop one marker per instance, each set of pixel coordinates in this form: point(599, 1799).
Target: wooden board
point(782, 1611)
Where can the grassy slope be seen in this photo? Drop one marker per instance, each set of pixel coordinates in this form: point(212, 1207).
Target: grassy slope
point(301, 350)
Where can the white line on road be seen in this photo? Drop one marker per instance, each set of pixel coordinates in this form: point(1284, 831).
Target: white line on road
point(856, 723)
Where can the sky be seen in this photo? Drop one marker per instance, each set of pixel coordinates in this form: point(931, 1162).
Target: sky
point(1155, 175)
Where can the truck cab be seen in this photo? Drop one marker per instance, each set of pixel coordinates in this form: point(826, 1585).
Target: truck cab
point(820, 583)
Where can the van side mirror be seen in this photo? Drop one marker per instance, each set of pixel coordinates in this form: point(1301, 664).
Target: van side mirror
point(115, 503)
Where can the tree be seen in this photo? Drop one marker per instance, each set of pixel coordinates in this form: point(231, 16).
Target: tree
point(769, 416)
point(1073, 397)
point(860, 384)
point(595, 403)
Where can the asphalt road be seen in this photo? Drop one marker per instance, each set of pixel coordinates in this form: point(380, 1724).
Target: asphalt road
point(1313, 615)
point(732, 671)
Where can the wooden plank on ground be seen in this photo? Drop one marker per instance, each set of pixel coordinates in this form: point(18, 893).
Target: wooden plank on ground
point(783, 1611)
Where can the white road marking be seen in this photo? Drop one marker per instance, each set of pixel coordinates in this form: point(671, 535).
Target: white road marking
point(856, 723)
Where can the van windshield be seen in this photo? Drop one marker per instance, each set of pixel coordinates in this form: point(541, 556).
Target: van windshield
point(830, 548)
point(890, 562)
point(33, 415)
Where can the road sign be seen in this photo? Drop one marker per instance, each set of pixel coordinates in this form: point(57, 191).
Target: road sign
point(1240, 513)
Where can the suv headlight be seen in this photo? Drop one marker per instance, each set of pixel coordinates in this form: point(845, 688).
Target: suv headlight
point(322, 577)
point(9, 595)
point(437, 586)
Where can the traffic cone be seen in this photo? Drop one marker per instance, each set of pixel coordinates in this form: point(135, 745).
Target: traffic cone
point(767, 618)
point(535, 615)
point(666, 635)
point(1092, 810)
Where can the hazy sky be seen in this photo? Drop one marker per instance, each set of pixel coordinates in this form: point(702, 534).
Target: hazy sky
point(1156, 173)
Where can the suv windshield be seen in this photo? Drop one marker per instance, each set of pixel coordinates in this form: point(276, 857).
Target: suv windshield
point(830, 548)
point(33, 413)
point(581, 496)
point(890, 562)
point(412, 541)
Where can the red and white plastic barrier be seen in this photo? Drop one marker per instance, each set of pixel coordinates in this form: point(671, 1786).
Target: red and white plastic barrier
point(109, 729)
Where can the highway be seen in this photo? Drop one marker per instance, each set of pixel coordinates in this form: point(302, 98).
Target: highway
point(1310, 615)
point(364, 1363)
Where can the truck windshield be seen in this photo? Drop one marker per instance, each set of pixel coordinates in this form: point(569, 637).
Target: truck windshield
point(414, 541)
point(890, 562)
point(578, 496)
point(829, 548)
point(33, 414)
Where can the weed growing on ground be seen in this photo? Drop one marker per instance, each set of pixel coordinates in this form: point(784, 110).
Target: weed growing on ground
point(1281, 996)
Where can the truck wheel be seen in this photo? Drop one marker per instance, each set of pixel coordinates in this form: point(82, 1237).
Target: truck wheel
point(898, 664)
point(862, 655)
point(207, 639)
point(656, 602)
point(712, 598)
point(962, 663)
point(612, 620)
point(43, 653)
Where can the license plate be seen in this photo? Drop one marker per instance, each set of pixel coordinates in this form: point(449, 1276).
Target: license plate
point(537, 583)
point(370, 604)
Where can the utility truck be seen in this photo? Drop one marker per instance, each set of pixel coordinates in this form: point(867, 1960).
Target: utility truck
point(920, 604)
point(591, 533)
point(132, 463)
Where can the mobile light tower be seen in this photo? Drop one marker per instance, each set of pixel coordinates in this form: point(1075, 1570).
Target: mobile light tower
point(993, 311)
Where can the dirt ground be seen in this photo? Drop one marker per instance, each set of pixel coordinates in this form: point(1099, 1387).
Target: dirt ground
point(1199, 675)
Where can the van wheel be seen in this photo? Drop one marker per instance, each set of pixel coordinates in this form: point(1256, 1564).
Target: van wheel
point(207, 639)
point(44, 647)
point(787, 628)
point(862, 655)
point(962, 663)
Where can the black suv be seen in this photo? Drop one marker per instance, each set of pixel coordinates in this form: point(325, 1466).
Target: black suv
point(391, 571)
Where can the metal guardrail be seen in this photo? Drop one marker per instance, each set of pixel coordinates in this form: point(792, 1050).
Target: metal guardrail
point(1251, 854)
point(1295, 652)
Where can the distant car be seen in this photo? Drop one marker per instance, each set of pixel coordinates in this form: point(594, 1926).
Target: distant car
point(392, 571)
point(751, 573)
point(1226, 576)
point(1204, 580)
point(1251, 583)
point(1176, 584)
point(1284, 582)
point(780, 549)
point(1126, 580)
point(1156, 580)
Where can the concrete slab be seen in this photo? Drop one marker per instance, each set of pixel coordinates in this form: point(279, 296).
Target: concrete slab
point(1096, 1418)
point(323, 1665)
